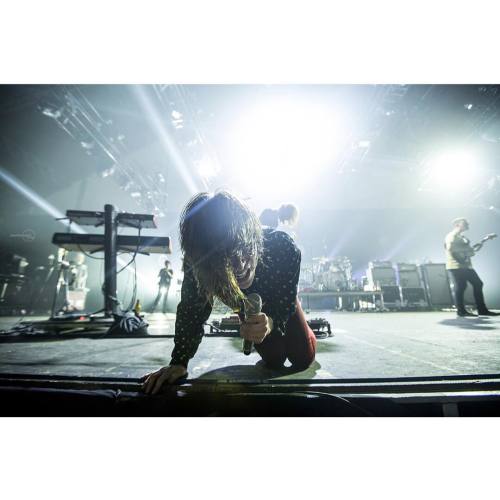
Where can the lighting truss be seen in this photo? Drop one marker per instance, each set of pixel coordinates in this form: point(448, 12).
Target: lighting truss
point(77, 116)
point(179, 103)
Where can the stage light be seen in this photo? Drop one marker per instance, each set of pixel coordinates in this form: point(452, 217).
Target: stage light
point(108, 172)
point(177, 119)
point(16, 184)
point(283, 142)
point(454, 171)
point(158, 212)
point(36, 199)
point(168, 143)
point(52, 113)
point(207, 168)
point(87, 145)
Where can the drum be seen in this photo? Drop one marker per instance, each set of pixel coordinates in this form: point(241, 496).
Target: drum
point(306, 279)
point(335, 280)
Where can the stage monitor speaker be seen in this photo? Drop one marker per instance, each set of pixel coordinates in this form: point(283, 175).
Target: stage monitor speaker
point(437, 284)
point(392, 297)
point(317, 301)
point(381, 274)
point(414, 298)
point(407, 275)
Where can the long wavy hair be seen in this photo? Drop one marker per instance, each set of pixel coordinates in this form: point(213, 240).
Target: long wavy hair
point(214, 229)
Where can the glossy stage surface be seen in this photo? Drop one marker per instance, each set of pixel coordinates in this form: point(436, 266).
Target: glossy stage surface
point(364, 345)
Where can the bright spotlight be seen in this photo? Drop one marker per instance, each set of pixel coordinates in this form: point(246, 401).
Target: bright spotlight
point(284, 142)
point(454, 171)
point(207, 168)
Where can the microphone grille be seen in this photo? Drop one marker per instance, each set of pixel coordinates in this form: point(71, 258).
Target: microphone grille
point(254, 303)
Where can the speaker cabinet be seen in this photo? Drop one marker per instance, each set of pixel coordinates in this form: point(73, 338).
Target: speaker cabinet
point(437, 285)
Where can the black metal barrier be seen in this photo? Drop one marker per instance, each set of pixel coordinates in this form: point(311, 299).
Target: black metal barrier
point(430, 396)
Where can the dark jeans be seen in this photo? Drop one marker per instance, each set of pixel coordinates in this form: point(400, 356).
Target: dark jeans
point(163, 289)
point(461, 277)
point(298, 344)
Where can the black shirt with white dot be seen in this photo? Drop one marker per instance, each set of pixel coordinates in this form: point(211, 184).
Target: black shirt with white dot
point(276, 280)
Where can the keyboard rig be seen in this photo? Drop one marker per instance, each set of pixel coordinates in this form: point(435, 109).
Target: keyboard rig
point(110, 243)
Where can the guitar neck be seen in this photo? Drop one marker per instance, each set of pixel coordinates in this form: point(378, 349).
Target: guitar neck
point(479, 245)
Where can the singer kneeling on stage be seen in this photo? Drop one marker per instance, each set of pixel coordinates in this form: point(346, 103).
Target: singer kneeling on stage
point(228, 255)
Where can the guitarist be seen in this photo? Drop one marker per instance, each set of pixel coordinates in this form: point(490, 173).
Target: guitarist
point(458, 262)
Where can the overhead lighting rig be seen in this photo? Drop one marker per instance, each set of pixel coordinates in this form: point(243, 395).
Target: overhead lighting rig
point(101, 139)
point(186, 119)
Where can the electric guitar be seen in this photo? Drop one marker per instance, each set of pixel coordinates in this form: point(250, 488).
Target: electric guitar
point(479, 245)
point(469, 252)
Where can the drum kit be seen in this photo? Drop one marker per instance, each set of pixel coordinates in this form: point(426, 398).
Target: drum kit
point(327, 275)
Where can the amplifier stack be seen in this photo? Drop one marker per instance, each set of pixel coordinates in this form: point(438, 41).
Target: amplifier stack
point(401, 285)
point(382, 276)
point(437, 285)
point(412, 290)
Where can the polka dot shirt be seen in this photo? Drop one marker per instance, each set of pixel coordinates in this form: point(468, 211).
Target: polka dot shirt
point(276, 279)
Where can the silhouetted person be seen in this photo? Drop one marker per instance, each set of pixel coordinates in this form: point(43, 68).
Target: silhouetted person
point(458, 262)
point(166, 274)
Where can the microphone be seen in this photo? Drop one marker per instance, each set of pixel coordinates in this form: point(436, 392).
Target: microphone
point(253, 305)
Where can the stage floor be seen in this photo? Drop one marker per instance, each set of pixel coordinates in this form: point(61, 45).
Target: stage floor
point(364, 345)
